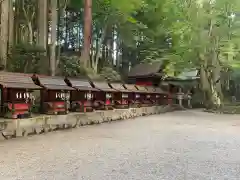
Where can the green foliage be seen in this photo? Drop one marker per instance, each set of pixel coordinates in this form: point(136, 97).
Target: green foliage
point(69, 66)
point(25, 58)
point(198, 29)
point(110, 74)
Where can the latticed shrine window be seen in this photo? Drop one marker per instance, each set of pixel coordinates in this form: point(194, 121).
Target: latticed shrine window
point(124, 95)
point(137, 96)
point(62, 96)
point(23, 95)
point(108, 95)
point(88, 96)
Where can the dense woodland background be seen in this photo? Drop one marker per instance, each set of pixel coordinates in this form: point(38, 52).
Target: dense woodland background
point(108, 37)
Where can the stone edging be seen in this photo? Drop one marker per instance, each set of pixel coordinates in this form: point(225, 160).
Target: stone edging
point(47, 123)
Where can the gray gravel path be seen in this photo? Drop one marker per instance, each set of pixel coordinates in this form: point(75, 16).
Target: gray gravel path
point(180, 145)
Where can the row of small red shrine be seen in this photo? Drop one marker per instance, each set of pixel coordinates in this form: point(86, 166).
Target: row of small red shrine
point(59, 94)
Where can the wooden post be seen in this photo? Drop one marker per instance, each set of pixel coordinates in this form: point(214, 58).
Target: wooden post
point(13, 108)
point(30, 103)
point(65, 101)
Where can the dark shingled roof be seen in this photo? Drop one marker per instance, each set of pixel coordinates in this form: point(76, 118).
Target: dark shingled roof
point(17, 81)
point(119, 87)
point(142, 89)
point(80, 84)
point(151, 89)
point(131, 87)
point(51, 83)
point(103, 86)
point(142, 70)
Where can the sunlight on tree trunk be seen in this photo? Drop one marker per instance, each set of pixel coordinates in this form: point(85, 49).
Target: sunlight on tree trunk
point(216, 99)
point(210, 87)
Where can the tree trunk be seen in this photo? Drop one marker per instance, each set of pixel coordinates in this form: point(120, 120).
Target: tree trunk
point(42, 38)
point(99, 45)
point(215, 98)
point(210, 75)
point(118, 56)
point(109, 44)
point(85, 54)
point(60, 22)
point(17, 20)
point(11, 26)
point(42, 23)
point(216, 81)
point(125, 60)
point(210, 84)
point(30, 32)
point(4, 32)
point(54, 19)
point(30, 41)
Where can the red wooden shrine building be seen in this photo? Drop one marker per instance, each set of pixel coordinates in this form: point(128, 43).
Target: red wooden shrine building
point(55, 94)
point(105, 96)
point(122, 95)
point(146, 74)
point(150, 75)
point(58, 95)
point(179, 88)
point(84, 96)
point(16, 96)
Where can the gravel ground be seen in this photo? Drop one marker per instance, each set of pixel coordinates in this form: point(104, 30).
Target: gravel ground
point(179, 145)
